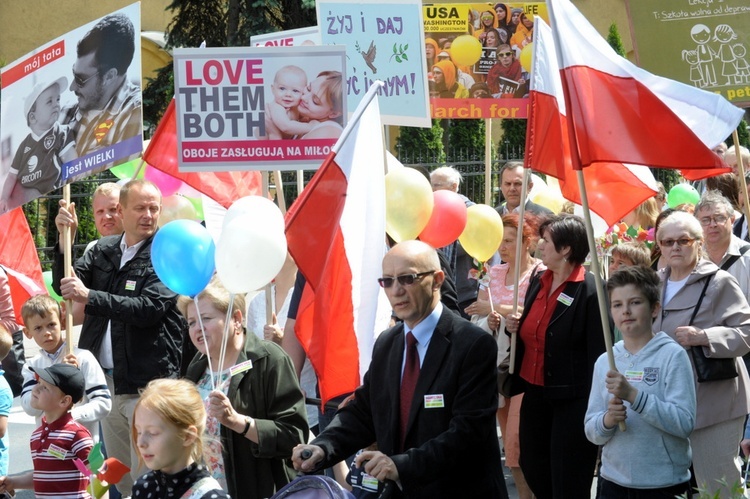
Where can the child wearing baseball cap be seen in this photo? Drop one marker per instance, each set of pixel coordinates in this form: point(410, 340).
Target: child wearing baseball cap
point(37, 165)
point(58, 441)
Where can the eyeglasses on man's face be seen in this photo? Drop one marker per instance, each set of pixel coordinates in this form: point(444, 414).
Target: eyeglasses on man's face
point(404, 280)
point(718, 220)
point(80, 80)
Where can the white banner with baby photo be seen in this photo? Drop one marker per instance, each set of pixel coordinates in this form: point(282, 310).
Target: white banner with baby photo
point(71, 108)
point(265, 108)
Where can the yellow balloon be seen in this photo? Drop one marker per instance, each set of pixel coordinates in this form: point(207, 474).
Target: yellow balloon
point(549, 199)
point(408, 203)
point(483, 233)
point(176, 207)
point(466, 50)
point(525, 58)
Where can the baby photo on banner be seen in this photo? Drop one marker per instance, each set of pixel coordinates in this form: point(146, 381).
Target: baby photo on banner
point(267, 108)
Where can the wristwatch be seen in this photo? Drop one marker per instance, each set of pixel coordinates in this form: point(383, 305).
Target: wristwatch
point(247, 426)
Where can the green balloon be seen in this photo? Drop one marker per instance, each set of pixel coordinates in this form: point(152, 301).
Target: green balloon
point(198, 205)
point(48, 284)
point(127, 170)
point(682, 194)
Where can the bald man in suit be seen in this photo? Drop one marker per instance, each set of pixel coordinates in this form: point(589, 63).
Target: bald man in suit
point(441, 441)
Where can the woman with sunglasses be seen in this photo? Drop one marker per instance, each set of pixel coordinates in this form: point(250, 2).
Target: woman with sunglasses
point(721, 327)
point(559, 339)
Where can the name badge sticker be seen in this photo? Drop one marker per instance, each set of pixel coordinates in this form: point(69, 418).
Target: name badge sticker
point(241, 367)
point(434, 401)
point(130, 285)
point(634, 376)
point(565, 299)
point(57, 452)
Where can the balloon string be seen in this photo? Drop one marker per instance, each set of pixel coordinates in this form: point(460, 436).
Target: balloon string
point(205, 343)
point(489, 296)
point(225, 333)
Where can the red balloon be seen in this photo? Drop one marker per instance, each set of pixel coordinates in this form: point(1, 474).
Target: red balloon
point(447, 221)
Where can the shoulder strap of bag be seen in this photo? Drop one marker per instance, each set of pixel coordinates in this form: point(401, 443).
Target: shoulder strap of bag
point(201, 487)
point(700, 300)
point(734, 258)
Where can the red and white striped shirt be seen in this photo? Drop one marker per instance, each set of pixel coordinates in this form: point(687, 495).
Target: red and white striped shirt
point(54, 446)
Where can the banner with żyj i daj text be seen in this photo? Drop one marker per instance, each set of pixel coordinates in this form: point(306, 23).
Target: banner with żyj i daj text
point(478, 57)
point(71, 108)
point(383, 42)
point(268, 108)
point(705, 43)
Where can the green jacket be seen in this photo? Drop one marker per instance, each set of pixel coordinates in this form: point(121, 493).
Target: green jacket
point(269, 393)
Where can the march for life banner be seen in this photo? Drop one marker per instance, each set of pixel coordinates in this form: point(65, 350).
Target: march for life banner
point(489, 46)
point(71, 108)
point(288, 38)
point(268, 108)
point(704, 43)
point(383, 42)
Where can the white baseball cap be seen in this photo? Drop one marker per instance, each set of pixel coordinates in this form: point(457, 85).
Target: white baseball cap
point(40, 87)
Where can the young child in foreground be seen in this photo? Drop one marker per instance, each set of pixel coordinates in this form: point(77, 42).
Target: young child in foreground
point(58, 441)
point(42, 317)
point(652, 391)
point(168, 426)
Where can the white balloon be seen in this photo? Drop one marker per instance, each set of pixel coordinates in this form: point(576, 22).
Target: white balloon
point(256, 206)
point(250, 252)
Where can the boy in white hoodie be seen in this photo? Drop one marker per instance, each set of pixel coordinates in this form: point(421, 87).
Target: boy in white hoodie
point(652, 391)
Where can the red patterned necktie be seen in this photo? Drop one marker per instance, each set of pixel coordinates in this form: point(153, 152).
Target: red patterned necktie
point(408, 382)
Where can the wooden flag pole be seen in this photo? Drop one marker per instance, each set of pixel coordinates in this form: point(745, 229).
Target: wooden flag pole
point(279, 191)
point(596, 270)
point(488, 161)
point(517, 264)
point(269, 286)
point(68, 264)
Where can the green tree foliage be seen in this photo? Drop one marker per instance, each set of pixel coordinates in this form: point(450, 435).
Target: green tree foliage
point(614, 40)
point(421, 145)
point(465, 140)
point(742, 134)
point(513, 143)
point(220, 23)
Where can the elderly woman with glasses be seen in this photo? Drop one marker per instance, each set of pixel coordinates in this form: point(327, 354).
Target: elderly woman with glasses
point(721, 328)
point(559, 339)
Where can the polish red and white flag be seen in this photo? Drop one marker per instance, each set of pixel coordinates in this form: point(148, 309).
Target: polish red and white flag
point(336, 233)
point(615, 118)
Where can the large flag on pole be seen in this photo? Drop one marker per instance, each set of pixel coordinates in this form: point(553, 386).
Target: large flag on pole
point(222, 187)
point(614, 188)
point(19, 259)
point(336, 234)
point(621, 113)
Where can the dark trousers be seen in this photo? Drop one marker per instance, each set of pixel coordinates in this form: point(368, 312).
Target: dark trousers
point(556, 457)
point(610, 490)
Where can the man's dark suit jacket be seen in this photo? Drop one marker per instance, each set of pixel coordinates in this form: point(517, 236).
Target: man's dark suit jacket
point(452, 450)
point(533, 208)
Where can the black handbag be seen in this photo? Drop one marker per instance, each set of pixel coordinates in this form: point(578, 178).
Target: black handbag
point(710, 369)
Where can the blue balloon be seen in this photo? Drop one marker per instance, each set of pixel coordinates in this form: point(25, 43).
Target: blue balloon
point(182, 253)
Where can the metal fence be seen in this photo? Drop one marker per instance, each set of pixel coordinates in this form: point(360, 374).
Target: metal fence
point(470, 163)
